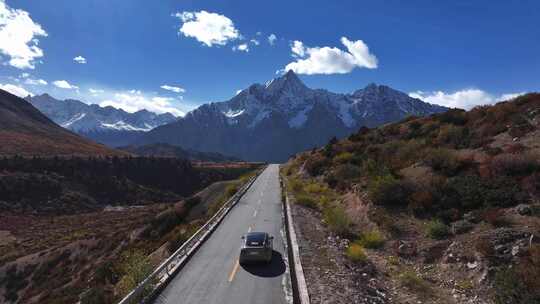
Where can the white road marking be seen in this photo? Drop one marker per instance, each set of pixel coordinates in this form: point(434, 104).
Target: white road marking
point(249, 229)
point(255, 213)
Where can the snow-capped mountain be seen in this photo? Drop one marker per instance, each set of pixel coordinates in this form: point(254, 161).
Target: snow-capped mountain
point(108, 125)
point(273, 121)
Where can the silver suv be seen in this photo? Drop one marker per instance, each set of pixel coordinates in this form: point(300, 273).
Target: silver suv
point(256, 247)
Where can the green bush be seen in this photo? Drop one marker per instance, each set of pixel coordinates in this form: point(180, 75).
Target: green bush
point(231, 190)
point(372, 240)
point(387, 190)
point(343, 157)
point(355, 252)
point(316, 165)
point(135, 267)
point(337, 220)
point(306, 201)
point(315, 188)
point(347, 172)
point(295, 185)
point(471, 192)
point(509, 287)
point(437, 230)
point(413, 282)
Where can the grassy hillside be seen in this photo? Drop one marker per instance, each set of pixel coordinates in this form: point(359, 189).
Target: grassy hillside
point(470, 177)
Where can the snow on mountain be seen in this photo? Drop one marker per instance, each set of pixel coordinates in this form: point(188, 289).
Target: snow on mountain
point(270, 122)
point(108, 125)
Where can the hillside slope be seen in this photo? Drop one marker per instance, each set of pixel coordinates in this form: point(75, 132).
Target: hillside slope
point(273, 121)
point(26, 131)
point(440, 209)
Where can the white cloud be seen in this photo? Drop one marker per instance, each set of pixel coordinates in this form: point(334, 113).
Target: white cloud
point(25, 75)
point(173, 88)
point(208, 28)
point(298, 49)
point(64, 85)
point(31, 81)
point(272, 39)
point(255, 41)
point(331, 60)
point(80, 59)
point(15, 90)
point(95, 92)
point(18, 37)
point(134, 100)
point(464, 99)
point(241, 47)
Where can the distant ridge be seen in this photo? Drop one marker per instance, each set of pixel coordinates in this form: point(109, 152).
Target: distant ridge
point(25, 131)
point(166, 150)
point(107, 125)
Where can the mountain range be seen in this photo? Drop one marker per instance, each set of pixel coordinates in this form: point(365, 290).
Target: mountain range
point(26, 131)
point(107, 125)
point(273, 121)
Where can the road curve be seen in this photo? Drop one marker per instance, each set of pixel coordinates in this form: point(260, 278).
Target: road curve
point(213, 274)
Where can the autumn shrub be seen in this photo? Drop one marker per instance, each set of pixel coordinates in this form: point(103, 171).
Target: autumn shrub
point(372, 239)
point(454, 116)
point(306, 201)
point(495, 217)
point(316, 165)
point(373, 168)
point(471, 192)
point(355, 252)
point(135, 267)
point(531, 184)
point(315, 188)
point(231, 189)
point(343, 157)
point(484, 246)
point(436, 229)
point(442, 160)
point(510, 287)
point(514, 164)
point(162, 224)
point(94, 295)
point(388, 190)
point(295, 185)
point(347, 172)
point(410, 280)
point(337, 220)
point(421, 202)
point(454, 136)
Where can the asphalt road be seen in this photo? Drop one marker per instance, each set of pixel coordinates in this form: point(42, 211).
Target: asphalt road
point(213, 274)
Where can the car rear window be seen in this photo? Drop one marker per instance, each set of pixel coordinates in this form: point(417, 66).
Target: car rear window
point(255, 239)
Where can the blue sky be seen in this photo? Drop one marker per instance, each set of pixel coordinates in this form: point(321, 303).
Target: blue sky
point(457, 53)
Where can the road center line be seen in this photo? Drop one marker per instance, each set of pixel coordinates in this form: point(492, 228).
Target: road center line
point(234, 270)
point(255, 213)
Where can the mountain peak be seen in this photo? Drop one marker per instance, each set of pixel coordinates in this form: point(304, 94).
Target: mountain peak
point(289, 83)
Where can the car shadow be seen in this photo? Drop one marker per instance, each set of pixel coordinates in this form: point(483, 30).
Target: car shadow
point(273, 269)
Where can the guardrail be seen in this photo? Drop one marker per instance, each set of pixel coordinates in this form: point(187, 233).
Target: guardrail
point(299, 286)
point(149, 287)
